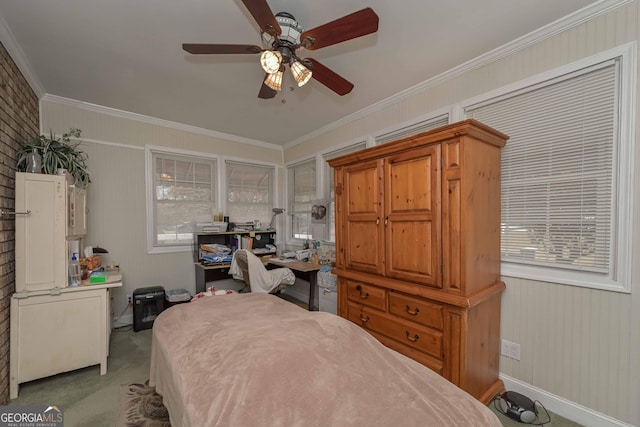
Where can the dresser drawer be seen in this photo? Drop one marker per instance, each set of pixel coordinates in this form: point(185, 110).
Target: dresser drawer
point(366, 294)
point(433, 363)
point(410, 334)
point(360, 314)
point(417, 310)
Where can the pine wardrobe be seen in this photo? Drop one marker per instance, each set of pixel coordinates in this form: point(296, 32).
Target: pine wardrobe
point(418, 249)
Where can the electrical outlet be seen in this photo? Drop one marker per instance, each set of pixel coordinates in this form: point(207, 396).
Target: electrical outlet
point(129, 300)
point(510, 349)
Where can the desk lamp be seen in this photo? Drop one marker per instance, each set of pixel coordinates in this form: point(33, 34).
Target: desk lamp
point(276, 212)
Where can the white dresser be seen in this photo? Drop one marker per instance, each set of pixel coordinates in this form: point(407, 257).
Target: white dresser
point(59, 330)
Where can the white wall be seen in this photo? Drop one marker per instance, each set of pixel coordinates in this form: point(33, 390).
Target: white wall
point(114, 142)
point(579, 347)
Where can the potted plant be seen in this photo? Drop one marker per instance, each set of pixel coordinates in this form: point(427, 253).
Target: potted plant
point(58, 153)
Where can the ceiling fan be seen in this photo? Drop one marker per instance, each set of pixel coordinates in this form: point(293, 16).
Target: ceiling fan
point(283, 36)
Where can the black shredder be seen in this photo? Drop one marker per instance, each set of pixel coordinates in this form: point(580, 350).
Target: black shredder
point(147, 304)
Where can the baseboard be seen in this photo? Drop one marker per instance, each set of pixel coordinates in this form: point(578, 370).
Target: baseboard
point(119, 322)
point(563, 407)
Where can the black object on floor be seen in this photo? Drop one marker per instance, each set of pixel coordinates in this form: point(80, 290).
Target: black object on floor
point(147, 304)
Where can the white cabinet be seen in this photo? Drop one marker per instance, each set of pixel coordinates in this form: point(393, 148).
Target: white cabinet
point(54, 328)
point(59, 331)
point(41, 246)
point(76, 211)
point(57, 213)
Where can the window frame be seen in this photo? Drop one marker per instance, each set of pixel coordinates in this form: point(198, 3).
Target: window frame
point(290, 213)
point(224, 185)
point(618, 279)
point(412, 127)
point(150, 150)
point(325, 179)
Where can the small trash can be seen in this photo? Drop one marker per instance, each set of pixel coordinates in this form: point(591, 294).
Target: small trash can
point(148, 303)
point(327, 290)
point(176, 296)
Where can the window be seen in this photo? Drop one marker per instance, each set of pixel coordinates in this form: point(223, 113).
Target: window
point(302, 193)
point(182, 191)
point(328, 174)
point(560, 177)
point(249, 192)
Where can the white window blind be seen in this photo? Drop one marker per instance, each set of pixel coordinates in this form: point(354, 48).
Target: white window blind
point(412, 129)
point(249, 192)
point(302, 192)
point(558, 170)
point(184, 190)
point(330, 196)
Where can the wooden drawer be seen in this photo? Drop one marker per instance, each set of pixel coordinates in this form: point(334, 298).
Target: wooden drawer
point(366, 294)
point(357, 314)
point(417, 310)
point(409, 334)
point(433, 363)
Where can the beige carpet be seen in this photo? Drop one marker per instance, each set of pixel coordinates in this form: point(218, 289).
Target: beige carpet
point(141, 406)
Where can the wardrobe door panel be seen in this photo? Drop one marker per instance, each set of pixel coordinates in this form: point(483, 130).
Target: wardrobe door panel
point(363, 231)
point(412, 216)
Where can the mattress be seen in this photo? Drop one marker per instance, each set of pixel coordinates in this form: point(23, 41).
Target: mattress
point(257, 360)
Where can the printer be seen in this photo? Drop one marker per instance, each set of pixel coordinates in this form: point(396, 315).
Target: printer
point(211, 227)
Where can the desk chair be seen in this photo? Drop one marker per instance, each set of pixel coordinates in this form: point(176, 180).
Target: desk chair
point(249, 268)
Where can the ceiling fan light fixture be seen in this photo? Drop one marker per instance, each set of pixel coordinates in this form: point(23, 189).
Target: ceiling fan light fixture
point(274, 80)
point(291, 29)
point(271, 61)
point(281, 35)
point(300, 73)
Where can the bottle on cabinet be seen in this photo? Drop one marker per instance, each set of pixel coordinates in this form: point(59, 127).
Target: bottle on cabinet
point(74, 271)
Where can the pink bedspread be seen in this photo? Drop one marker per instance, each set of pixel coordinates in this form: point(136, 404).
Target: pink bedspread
point(257, 360)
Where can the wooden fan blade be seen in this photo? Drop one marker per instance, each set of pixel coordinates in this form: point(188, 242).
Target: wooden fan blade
point(212, 49)
point(265, 91)
point(263, 15)
point(329, 78)
point(348, 27)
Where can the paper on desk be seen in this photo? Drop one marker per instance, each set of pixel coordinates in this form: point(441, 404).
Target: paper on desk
point(284, 260)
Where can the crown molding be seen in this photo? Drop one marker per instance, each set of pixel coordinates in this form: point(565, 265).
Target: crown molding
point(563, 24)
point(155, 121)
point(576, 18)
point(11, 45)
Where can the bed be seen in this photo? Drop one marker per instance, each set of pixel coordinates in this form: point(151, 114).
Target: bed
point(258, 360)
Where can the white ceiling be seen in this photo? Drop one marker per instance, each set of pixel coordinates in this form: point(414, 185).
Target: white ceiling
point(127, 55)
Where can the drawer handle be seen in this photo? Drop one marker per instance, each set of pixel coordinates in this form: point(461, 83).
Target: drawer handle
point(365, 318)
point(412, 338)
point(414, 312)
point(364, 295)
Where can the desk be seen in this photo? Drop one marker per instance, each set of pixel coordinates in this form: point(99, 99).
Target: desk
point(304, 270)
point(209, 273)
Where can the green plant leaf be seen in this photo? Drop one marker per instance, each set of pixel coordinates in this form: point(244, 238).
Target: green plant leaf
point(58, 152)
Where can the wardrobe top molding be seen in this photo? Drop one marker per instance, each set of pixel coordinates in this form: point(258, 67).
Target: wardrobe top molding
point(470, 127)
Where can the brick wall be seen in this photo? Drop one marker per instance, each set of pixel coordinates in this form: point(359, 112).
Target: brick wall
point(18, 123)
